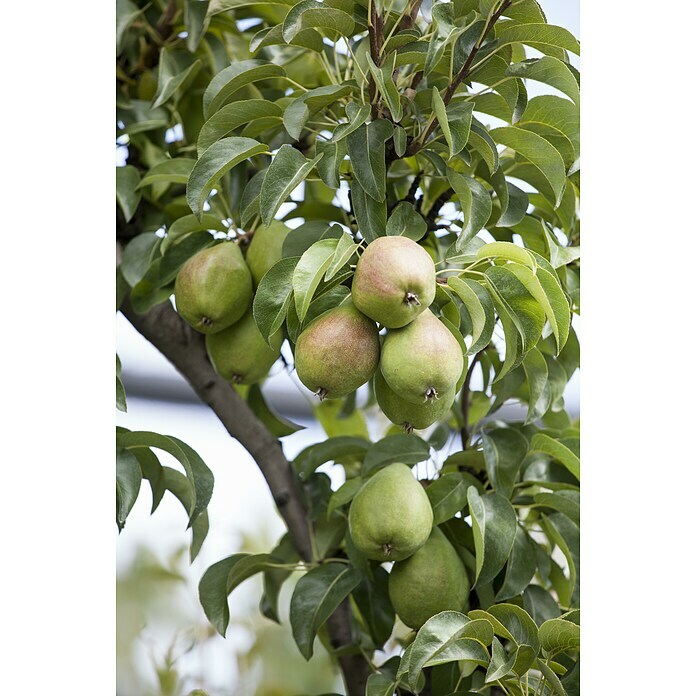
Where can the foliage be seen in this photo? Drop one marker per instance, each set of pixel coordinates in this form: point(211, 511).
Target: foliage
point(350, 120)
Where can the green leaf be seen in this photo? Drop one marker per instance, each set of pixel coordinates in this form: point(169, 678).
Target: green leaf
point(566, 535)
point(550, 71)
point(400, 141)
point(174, 171)
point(128, 480)
point(557, 113)
point(232, 116)
point(198, 474)
point(507, 251)
point(216, 161)
point(366, 150)
point(372, 599)
point(481, 141)
point(537, 377)
point(332, 449)
point(276, 424)
point(480, 307)
point(316, 596)
point(309, 14)
point(287, 170)
point(504, 450)
point(127, 194)
point(501, 663)
point(329, 166)
point(126, 13)
point(120, 391)
point(567, 502)
point(273, 578)
point(371, 215)
point(523, 309)
point(302, 237)
point(138, 255)
point(404, 221)
point(539, 152)
point(437, 635)
point(345, 250)
point(521, 567)
point(298, 112)
point(557, 450)
point(188, 224)
point(494, 524)
point(344, 494)
point(543, 37)
point(514, 623)
point(175, 70)
point(406, 449)
point(551, 678)
point(273, 297)
point(379, 684)
point(356, 115)
point(309, 271)
point(448, 496)
point(196, 22)
point(383, 77)
point(233, 78)
point(221, 578)
point(475, 203)
point(558, 635)
point(539, 604)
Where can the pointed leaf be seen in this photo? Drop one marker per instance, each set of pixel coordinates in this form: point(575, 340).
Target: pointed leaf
point(287, 170)
point(273, 296)
point(404, 221)
point(128, 480)
point(175, 70)
point(560, 452)
point(538, 151)
point(216, 161)
point(231, 117)
point(316, 596)
point(309, 14)
point(366, 150)
point(475, 203)
point(302, 108)
point(559, 635)
point(127, 193)
point(543, 37)
point(383, 77)
point(448, 496)
point(175, 171)
point(329, 166)
point(504, 450)
point(406, 449)
point(309, 271)
point(233, 78)
point(371, 215)
point(494, 524)
point(480, 307)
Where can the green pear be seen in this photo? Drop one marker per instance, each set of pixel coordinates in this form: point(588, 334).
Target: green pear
point(432, 580)
point(337, 352)
point(266, 249)
point(422, 361)
point(394, 281)
point(240, 354)
point(406, 414)
point(213, 288)
point(390, 517)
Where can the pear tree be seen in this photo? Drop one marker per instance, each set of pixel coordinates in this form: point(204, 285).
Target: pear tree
point(382, 198)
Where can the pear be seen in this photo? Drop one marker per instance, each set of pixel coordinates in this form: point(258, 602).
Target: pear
point(240, 354)
point(394, 281)
point(265, 249)
point(337, 352)
point(432, 580)
point(408, 415)
point(390, 517)
point(422, 361)
point(213, 288)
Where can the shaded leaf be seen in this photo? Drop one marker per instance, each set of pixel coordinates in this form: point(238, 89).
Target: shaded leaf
point(216, 161)
point(447, 495)
point(286, 171)
point(494, 524)
point(298, 112)
point(316, 596)
point(332, 449)
point(475, 203)
point(479, 305)
point(371, 215)
point(560, 452)
point(406, 449)
point(128, 480)
point(558, 635)
point(521, 566)
point(127, 193)
point(175, 70)
point(366, 150)
point(273, 297)
point(404, 221)
point(309, 271)
point(504, 450)
point(175, 171)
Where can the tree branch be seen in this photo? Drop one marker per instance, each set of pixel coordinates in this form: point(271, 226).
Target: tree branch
point(408, 20)
point(465, 399)
point(460, 76)
point(375, 30)
point(185, 349)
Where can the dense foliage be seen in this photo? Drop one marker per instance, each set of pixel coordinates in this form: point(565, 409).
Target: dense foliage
point(352, 120)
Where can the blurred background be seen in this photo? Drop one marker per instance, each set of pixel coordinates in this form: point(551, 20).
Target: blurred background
point(165, 645)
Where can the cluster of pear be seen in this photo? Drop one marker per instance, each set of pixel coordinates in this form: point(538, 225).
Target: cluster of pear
point(417, 365)
point(390, 519)
point(214, 291)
